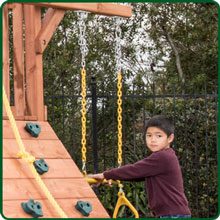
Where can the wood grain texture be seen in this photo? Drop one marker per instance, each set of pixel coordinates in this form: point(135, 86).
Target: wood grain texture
point(46, 131)
point(97, 8)
point(38, 148)
point(64, 180)
point(51, 20)
point(18, 60)
point(22, 118)
point(58, 168)
point(39, 102)
point(68, 206)
point(30, 59)
point(14, 189)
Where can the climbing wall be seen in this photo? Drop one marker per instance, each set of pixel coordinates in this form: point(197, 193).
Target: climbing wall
point(64, 180)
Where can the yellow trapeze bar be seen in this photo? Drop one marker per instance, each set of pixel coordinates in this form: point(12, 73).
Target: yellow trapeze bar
point(95, 181)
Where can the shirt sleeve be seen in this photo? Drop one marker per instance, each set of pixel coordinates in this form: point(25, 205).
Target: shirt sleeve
point(153, 165)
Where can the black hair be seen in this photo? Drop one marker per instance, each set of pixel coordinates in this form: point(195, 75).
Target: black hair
point(162, 122)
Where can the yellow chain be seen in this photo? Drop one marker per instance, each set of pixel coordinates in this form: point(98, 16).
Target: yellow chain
point(83, 118)
point(119, 102)
point(29, 158)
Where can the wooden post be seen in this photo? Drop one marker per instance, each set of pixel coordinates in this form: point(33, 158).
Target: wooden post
point(29, 96)
point(6, 79)
point(39, 70)
point(33, 64)
point(18, 49)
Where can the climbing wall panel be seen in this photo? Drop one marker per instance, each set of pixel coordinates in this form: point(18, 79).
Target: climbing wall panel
point(49, 212)
point(64, 180)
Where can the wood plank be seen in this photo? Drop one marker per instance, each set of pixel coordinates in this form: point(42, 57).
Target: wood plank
point(12, 110)
point(18, 60)
point(22, 118)
point(109, 9)
point(12, 209)
point(47, 133)
point(45, 113)
point(39, 92)
point(58, 168)
point(50, 23)
point(59, 188)
point(30, 60)
point(51, 149)
point(6, 79)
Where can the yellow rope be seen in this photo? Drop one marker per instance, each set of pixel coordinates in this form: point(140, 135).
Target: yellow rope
point(119, 102)
point(29, 158)
point(83, 118)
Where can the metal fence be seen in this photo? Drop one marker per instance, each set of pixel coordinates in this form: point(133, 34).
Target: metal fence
point(195, 118)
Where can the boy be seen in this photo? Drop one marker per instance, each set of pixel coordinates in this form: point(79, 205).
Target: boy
point(160, 171)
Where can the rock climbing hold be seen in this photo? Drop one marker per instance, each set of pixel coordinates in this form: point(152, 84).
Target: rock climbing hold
point(41, 166)
point(33, 128)
point(84, 207)
point(33, 208)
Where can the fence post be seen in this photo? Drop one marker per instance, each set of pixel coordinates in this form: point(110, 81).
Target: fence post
point(94, 124)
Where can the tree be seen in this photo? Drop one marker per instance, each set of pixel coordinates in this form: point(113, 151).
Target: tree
point(169, 54)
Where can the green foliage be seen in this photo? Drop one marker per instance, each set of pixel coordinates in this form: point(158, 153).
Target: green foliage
point(151, 85)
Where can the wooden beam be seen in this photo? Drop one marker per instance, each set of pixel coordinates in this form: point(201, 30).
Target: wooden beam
point(22, 118)
point(18, 61)
point(39, 70)
point(50, 22)
point(34, 68)
point(109, 9)
point(30, 60)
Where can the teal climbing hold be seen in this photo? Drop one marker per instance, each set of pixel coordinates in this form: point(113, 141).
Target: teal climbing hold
point(41, 166)
point(84, 207)
point(33, 128)
point(32, 208)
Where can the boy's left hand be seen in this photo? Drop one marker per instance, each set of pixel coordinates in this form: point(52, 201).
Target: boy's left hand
point(99, 177)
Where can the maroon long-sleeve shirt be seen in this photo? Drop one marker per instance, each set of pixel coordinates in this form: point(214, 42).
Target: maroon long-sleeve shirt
point(163, 181)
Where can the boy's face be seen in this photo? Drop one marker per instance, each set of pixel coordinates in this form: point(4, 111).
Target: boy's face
point(157, 139)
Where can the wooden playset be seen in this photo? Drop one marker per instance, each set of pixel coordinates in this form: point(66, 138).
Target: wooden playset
point(23, 86)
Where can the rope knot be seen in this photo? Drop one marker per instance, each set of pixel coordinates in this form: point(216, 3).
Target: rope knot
point(26, 156)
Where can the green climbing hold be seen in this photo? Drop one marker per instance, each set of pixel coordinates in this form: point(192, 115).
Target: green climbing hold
point(41, 166)
point(84, 207)
point(33, 208)
point(33, 128)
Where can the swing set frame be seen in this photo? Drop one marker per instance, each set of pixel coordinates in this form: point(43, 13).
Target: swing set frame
point(31, 35)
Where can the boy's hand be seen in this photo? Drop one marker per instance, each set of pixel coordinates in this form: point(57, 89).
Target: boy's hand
point(99, 177)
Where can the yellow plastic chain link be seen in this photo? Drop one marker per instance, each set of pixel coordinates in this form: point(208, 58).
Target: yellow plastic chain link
point(83, 118)
point(119, 102)
point(122, 200)
point(29, 158)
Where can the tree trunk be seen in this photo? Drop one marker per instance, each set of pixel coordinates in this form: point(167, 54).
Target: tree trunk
point(176, 52)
